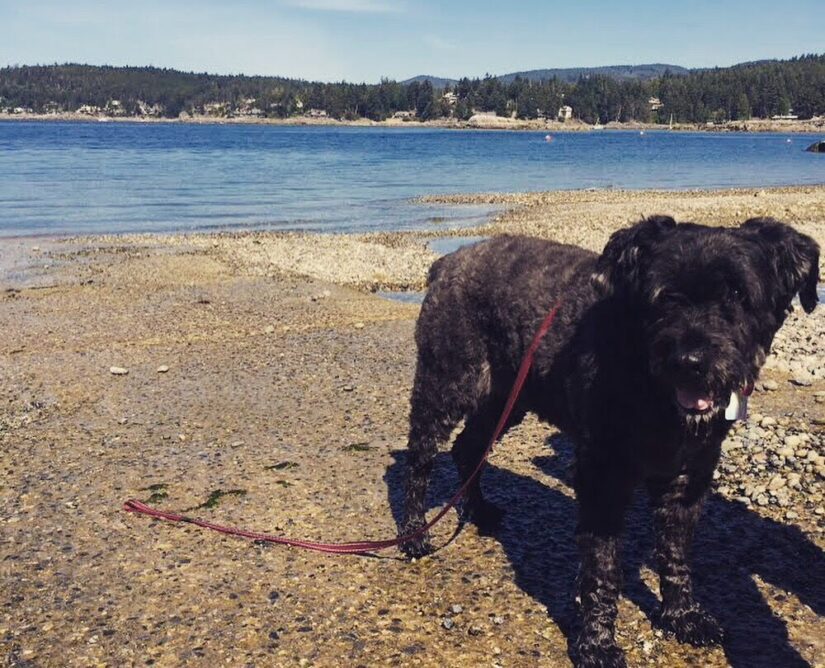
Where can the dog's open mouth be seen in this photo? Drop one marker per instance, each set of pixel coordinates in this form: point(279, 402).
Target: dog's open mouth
point(694, 401)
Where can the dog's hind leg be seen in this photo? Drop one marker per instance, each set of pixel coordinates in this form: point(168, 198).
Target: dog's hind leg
point(467, 451)
point(432, 418)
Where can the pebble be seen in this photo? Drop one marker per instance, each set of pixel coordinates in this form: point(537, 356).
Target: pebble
point(801, 381)
point(162, 368)
point(359, 325)
point(770, 385)
point(118, 371)
point(793, 441)
point(447, 623)
point(269, 329)
point(321, 295)
point(767, 422)
point(456, 609)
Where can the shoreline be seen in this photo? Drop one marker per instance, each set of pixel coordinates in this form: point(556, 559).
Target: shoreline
point(479, 122)
point(511, 201)
point(255, 380)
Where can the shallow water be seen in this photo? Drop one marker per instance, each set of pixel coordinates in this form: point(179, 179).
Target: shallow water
point(63, 178)
point(452, 244)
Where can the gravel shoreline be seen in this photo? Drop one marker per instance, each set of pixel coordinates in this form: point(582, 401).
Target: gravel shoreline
point(477, 122)
point(254, 379)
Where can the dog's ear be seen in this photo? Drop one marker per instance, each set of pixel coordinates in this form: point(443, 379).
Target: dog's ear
point(618, 267)
point(793, 256)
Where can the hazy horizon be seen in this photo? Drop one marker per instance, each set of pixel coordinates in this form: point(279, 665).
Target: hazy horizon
point(365, 40)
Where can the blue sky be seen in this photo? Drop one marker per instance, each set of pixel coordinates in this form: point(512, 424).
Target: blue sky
point(363, 40)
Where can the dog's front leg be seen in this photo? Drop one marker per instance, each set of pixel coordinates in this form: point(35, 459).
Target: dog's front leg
point(677, 504)
point(603, 492)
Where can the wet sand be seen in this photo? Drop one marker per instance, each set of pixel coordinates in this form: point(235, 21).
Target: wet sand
point(283, 409)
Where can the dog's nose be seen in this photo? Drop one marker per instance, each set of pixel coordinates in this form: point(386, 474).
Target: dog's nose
point(692, 360)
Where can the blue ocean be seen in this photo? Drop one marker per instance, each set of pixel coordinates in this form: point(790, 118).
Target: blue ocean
point(77, 178)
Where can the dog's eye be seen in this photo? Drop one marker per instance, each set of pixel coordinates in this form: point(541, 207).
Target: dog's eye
point(665, 297)
point(738, 294)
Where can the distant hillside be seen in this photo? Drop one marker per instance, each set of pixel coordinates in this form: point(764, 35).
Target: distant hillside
point(571, 74)
point(437, 82)
point(645, 93)
point(620, 72)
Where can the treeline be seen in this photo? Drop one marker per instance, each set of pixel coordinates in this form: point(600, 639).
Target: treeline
point(761, 89)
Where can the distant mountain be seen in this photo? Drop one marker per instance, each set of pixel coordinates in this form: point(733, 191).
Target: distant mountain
point(437, 82)
point(572, 74)
point(620, 72)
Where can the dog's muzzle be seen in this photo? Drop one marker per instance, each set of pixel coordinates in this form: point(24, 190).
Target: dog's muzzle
point(694, 401)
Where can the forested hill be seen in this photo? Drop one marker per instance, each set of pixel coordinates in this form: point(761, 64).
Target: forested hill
point(621, 72)
point(570, 74)
point(761, 89)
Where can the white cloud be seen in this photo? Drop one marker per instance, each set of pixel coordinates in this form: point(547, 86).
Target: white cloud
point(371, 6)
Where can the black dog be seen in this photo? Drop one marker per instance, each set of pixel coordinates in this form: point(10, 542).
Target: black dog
point(651, 340)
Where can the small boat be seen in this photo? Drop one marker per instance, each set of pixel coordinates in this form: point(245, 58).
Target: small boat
point(548, 138)
point(598, 126)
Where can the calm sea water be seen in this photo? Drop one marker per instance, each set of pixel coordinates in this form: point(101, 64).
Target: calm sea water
point(59, 178)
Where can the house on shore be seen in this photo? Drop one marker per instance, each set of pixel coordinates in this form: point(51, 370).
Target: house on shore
point(450, 98)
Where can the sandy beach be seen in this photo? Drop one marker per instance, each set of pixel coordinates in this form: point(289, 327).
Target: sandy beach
point(259, 381)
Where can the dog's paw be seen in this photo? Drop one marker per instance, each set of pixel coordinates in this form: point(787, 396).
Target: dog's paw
point(417, 547)
point(693, 626)
point(602, 655)
point(485, 515)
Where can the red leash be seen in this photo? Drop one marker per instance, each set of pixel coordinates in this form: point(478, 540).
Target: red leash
point(367, 546)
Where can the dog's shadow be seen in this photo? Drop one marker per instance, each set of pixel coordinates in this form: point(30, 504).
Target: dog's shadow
point(733, 545)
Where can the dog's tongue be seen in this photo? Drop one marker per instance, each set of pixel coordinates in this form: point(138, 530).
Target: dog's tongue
point(693, 401)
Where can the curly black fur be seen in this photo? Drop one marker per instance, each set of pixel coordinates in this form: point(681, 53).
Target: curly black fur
point(666, 311)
